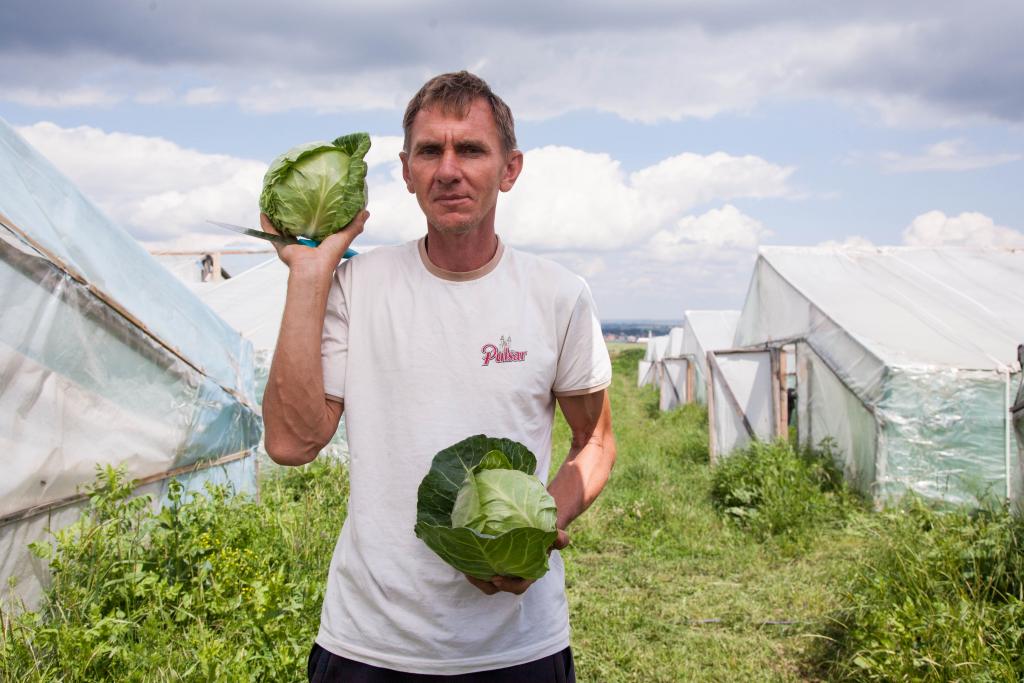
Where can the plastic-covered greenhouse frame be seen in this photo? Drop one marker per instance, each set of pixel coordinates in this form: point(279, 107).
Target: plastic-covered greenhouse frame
point(905, 360)
point(705, 331)
point(106, 359)
point(649, 369)
point(675, 368)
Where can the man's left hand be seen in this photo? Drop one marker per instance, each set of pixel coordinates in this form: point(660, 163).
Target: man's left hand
point(513, 584)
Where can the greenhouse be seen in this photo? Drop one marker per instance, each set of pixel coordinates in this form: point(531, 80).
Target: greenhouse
point(705, 331)
point(672, 385)
point(649, 370)
point(905, 361)
point(107, 359)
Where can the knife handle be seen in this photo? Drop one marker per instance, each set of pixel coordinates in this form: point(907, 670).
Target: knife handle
point(349, 253)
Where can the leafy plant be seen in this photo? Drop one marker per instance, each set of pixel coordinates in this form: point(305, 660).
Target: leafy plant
point(213, 587)
point(776, 490)
point(314, 190)
point(482, 510)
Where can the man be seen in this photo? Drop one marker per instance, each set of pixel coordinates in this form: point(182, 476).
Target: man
point(420, 346)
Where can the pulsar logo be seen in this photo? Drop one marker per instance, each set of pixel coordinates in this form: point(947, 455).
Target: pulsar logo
point(502, 353)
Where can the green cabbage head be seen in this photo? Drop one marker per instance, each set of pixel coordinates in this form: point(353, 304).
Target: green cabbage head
point(314, 190)
point(482, 510)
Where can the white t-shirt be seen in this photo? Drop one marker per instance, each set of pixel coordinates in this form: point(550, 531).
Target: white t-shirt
point(424, 358)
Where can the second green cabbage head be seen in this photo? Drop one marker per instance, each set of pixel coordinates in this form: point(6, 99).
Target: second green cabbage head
point(482, 509)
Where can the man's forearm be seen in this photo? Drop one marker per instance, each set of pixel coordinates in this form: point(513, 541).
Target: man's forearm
point(586, 468)
point(297, 419)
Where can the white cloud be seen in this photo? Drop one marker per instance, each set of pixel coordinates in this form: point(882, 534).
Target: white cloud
point(685, 180)
point(636, 286)
point(384, 149)
point(152, 186)
point(936, 229)
point(157, 95)
point(969, 229)
point(567, 199)
point(848, 242)
point(588, 265)
point(75, 96)
point(948, 155)
point(394, 214)
point(206, 95)
point(716, 234)
point(361, 90)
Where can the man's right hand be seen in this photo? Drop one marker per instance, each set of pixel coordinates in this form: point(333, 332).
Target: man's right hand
point(324, 258)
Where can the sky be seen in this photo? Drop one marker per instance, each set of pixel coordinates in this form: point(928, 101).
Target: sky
point(664, 141)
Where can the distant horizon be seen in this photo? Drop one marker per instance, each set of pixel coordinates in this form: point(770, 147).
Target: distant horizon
point(641, 321)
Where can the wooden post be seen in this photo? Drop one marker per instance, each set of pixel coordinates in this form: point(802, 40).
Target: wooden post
point(803, 398)
point(691, 380)
point(710, 383)
point(783, 431)
point(216, 277)
point(783, 371)
point(773, 358)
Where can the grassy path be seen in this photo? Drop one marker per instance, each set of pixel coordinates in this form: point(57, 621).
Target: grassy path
point(661, 588)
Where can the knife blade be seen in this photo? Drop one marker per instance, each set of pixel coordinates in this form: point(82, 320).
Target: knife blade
point(271, 237)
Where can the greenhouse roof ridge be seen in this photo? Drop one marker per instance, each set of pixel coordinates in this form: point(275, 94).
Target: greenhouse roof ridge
point(960, 307)
point(713, 329)
point(881, 249)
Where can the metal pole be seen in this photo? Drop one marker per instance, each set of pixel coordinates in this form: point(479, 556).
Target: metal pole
point(1007, 417)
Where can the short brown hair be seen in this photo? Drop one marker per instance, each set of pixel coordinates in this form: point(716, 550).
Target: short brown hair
point(454, 93)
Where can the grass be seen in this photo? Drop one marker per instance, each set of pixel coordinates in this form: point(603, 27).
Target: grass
point(763, 569)
point(939, 597)
point(663, 587)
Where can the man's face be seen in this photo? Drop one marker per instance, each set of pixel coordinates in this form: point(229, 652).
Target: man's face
point(456, 166)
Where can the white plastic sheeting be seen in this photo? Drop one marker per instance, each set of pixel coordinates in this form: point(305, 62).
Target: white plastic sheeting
point(105, 357)
point(673, 383)
point(924, 339)
point(833, 412)
point(655, 352)
point(705, 331)
point(672, 373)
point(742, 407)
point(252, 302)
point(645, 373)
point(674, 345)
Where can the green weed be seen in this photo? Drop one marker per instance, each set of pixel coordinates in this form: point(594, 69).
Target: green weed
point(211, 588)
point(776, 491)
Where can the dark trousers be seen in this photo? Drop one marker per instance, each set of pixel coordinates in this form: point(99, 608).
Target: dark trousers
point(327, 667)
